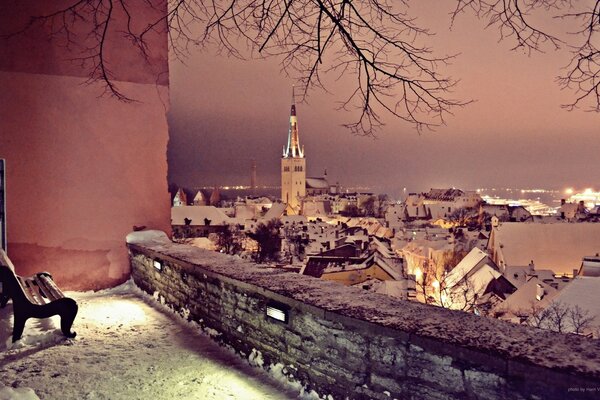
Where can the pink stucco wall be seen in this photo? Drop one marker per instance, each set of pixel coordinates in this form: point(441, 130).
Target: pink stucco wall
point(82, 170)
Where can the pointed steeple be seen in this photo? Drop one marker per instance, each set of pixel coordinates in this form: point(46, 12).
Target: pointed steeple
point(293, 148)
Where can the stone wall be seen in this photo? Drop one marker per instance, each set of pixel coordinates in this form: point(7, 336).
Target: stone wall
point(348, 343)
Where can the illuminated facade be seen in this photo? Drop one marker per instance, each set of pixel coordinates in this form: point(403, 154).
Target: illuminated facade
point(293, 168)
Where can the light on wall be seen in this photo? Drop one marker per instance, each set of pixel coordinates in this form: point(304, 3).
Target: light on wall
point(279, 312)
point(158, 265)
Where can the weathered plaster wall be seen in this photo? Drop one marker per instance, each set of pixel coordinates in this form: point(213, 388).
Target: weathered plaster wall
point(82, 168)
point(352, 344)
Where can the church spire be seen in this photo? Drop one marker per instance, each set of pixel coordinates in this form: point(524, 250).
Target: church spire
point(293, 148)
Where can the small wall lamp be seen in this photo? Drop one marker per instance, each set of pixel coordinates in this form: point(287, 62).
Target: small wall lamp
point(278, 311)
point(158, 265)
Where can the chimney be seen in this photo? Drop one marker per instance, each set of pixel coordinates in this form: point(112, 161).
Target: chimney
point(539, 292)
point(531, 267)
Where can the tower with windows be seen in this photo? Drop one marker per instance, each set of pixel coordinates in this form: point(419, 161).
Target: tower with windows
point(293, 167)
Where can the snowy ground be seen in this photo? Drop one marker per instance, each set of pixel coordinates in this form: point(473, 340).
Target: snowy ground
point(126, 348)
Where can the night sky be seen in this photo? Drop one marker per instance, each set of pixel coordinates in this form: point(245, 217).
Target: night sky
point(225, 112)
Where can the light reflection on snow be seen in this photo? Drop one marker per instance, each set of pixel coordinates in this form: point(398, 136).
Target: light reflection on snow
point(115, 311)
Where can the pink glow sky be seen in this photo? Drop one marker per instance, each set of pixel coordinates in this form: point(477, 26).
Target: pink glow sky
point(225, 112)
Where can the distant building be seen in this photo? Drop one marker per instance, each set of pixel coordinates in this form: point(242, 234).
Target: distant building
point(530, 297)
point(197, 221)
point(373, 269)
point(200, 199)
point(438, 203)
point(253, 176)
point(180, 198)
point(215, 197)
point(317, 186)
point(572, 211)
point(293, 167)
point(590, 266)
point(504, 212)
point(475, 283)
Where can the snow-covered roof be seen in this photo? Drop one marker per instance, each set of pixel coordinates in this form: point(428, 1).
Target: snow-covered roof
point(590, 266)
point(583, 292)
point(495, 209)
point(197, 214)
point(245, 211)
point(443, 194)
point(290, 219)
point(200, 197)
point(558, 247)
point(149, 236)
point(316, 208)
point(383, 263)
point(466, 266)
point(524, 298)
point(276, 211)
point(516, 275)
point(317, 183)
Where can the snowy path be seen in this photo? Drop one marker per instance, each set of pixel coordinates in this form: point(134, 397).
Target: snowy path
point(126, 349)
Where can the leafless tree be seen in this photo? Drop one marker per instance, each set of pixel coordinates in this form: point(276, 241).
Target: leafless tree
point(517, 22)
point(559, 317)
point(536, 316)
point(229, 240)
point(462, 216)
point(580, 320)
point(377, 41)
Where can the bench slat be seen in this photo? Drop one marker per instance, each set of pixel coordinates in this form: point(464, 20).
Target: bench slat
point(26, 291)
point(35, 292)
point(39, 292)
point(48, 287)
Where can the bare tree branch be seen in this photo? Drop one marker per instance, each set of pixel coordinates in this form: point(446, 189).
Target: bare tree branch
point(513, 19)
point(376, 42)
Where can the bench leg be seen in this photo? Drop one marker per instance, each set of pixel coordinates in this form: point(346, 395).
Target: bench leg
point(68, 311)
point(3, 300)
point(18, 326)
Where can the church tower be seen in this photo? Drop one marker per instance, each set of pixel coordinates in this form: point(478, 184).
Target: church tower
point(293, 167)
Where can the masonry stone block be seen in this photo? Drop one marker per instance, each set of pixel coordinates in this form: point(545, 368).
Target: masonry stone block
point(382, 383)
point(437, 370)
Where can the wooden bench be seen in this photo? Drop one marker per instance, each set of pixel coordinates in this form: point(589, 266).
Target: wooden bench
point(34, 297)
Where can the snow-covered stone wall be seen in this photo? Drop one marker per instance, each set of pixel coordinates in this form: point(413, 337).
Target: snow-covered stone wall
point(348, 343)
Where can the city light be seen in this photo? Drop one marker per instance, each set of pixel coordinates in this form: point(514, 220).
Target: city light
point(418, 274)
